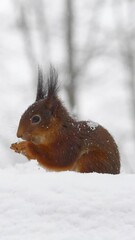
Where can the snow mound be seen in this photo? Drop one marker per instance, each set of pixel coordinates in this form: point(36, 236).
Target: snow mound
point(39, 205)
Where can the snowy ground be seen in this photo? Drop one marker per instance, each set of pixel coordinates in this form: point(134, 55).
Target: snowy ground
point(39, 205)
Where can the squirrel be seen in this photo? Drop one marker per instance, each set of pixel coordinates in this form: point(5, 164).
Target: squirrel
point(59, 142)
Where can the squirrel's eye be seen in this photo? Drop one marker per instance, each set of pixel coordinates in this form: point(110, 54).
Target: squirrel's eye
point(35, 119)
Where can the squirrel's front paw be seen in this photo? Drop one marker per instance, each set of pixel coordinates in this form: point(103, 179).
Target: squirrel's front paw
point(25, 148)
point(19, 147)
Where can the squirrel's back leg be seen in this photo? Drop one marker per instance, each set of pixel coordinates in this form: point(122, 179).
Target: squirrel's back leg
point(97, 161)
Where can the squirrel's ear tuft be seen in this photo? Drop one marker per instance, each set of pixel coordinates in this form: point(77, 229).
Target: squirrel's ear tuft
point(52, 83)
point(50, 88)
point(40, 86)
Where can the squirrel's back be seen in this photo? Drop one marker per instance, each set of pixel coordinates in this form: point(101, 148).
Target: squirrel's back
point(100, 152)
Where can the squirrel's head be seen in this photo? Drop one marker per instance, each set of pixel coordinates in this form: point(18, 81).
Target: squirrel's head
point(39, 122)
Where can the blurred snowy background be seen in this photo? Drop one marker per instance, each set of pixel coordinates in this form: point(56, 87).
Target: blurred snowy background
point(91, 43)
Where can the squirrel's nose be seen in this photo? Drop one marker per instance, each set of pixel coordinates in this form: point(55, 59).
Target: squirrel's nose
point(23, 134)
point(19, 133)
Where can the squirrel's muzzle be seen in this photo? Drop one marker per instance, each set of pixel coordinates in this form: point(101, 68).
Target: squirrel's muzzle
point(23, 134)
point(19, 133)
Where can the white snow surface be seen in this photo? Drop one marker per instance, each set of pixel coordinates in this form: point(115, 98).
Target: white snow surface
point(39, 205)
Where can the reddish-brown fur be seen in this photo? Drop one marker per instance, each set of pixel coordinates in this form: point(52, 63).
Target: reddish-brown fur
point(58, 142)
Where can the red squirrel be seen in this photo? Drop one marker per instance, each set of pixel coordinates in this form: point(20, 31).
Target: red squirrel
point(59, 142)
